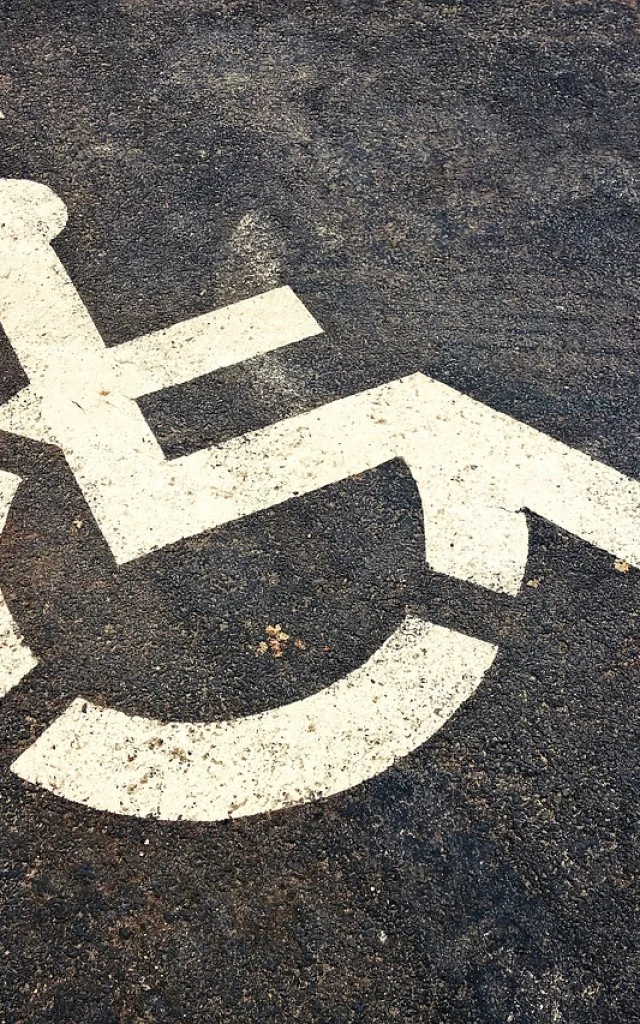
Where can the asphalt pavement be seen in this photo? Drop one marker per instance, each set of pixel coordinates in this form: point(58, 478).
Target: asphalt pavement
point(450, 189)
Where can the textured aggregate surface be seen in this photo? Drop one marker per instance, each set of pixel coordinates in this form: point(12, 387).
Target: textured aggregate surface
point(451, 188)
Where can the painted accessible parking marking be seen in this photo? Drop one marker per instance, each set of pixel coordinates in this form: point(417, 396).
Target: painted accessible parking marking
point(476, 471)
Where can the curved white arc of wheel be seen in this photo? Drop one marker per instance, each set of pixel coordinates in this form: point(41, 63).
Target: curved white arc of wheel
point(324, 744)
point(16, 660)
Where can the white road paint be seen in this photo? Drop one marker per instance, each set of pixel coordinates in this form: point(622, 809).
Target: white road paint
point(327, 743)
point(16, 660)
point(206, 343)
point(476, 471)
point(181, 353)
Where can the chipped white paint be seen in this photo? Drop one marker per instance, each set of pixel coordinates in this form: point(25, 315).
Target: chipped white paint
point(329, 742)
point(16, 660)
point(476, 471)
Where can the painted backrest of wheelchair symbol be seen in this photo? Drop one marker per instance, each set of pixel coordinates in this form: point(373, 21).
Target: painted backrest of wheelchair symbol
point(476, 471)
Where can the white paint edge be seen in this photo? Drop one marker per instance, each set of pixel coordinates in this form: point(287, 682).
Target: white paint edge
point(322, 745)
point(203, 344)
point(178, 354)
point(16, 659)
point(22, 415)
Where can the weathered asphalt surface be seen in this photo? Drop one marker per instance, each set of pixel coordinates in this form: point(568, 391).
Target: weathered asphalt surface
point(452, 188)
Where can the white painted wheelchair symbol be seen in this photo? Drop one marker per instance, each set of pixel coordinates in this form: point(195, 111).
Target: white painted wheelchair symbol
point(476, 471)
